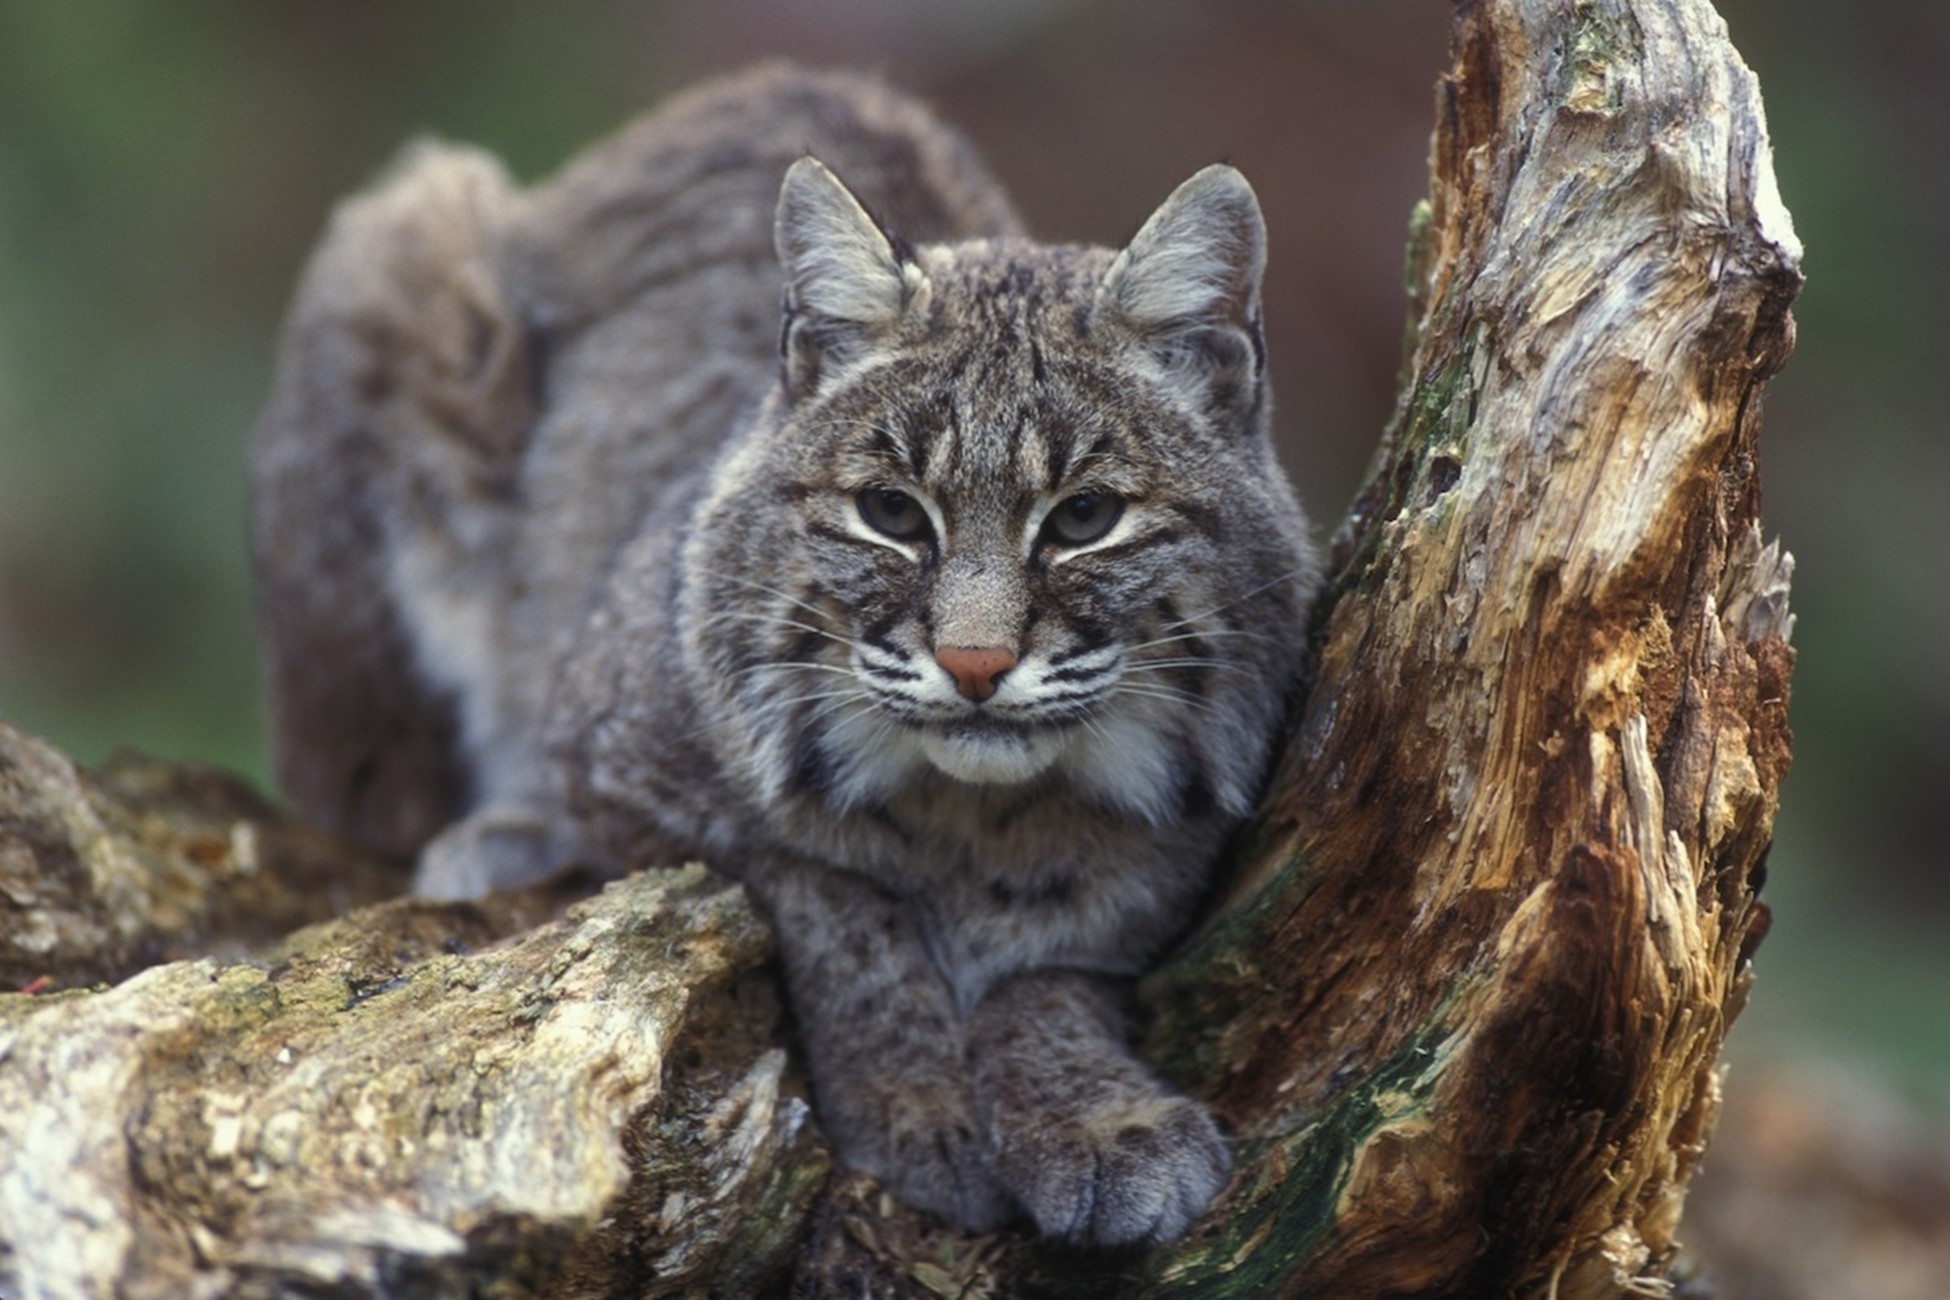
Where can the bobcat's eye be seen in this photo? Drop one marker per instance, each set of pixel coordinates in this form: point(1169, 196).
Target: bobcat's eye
point(893, 512)
point(1083, 518)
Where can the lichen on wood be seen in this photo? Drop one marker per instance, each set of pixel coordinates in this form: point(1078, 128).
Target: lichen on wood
point(410, 1093)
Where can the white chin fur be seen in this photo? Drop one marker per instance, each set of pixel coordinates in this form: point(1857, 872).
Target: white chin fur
point(992, 760)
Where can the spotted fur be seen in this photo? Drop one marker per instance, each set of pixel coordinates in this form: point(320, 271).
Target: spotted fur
point(954, 609)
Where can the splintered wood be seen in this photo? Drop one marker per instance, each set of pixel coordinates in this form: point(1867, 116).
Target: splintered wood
point(1472, 986)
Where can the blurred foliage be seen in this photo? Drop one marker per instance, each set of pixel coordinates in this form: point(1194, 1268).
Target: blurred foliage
point(164, 168)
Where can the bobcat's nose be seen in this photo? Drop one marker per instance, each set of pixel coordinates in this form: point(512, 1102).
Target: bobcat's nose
point(975, 668)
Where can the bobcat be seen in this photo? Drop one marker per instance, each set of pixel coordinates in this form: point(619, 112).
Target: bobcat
point(953, 609)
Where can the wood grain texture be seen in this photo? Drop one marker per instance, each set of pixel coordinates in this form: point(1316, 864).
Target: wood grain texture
point(1474, 979)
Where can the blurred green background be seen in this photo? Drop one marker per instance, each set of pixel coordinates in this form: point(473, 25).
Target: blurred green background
point(164, 169)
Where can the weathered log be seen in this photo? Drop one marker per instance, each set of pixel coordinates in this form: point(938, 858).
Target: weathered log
point(418, 1098)
point(1461, 1005)
point(104, 873)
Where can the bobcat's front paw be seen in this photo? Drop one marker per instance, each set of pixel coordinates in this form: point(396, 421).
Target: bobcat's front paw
point(943, 1168)
point(1140, 1167)
point(928, 1151)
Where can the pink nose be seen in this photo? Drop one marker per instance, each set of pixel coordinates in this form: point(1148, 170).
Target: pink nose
point(975, 668)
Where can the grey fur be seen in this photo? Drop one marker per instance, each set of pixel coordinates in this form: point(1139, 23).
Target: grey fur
point(569, 549)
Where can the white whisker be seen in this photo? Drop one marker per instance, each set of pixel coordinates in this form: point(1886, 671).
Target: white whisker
point(1200, 634)
point(786, 596)
point(1268, 585)
point(780, 620)
point(790, 665)
point(1169, 695)
point(764, 710)
point(1189, 661)
point(837, 701)
point(1095, 727)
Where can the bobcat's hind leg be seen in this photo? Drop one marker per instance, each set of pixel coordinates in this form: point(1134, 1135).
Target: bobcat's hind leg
point(401, 403)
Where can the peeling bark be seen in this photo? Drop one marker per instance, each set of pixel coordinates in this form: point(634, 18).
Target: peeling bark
point(1461, 1005)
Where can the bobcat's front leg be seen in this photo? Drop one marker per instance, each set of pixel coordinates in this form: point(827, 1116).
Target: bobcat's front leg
point(1095, 1147)
point(886, 1043)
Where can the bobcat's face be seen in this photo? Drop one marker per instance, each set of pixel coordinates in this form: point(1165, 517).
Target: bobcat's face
point(1016, 534)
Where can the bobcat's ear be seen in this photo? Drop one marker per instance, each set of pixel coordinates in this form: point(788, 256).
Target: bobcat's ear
point(1188, 285)
point(846, 281)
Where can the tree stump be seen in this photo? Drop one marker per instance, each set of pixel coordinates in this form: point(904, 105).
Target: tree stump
point(1461, 1003)
point(1471, 989)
